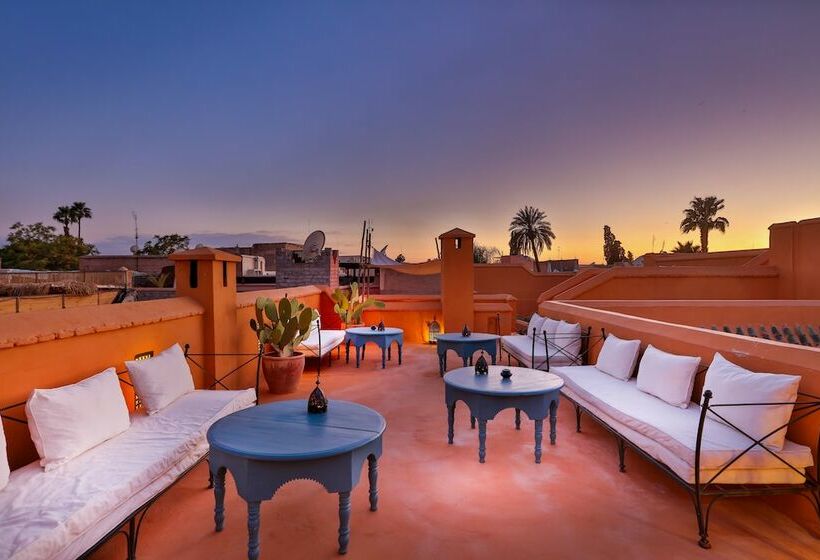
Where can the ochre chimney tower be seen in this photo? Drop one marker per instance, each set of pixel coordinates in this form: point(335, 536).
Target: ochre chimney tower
point(457, 279)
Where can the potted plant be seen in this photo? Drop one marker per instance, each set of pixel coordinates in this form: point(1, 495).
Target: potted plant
point(350, 306)
point(280, 327)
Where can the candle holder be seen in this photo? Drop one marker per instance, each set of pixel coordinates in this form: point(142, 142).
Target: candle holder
point(481, 366)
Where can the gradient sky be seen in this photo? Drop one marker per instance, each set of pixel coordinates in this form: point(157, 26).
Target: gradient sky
point(242, 121)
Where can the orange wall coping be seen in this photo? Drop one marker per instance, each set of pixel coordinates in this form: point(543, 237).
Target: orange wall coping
point(22, 329)
point(248, 299)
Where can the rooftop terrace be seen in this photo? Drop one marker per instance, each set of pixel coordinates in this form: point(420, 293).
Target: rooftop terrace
point(436, 500)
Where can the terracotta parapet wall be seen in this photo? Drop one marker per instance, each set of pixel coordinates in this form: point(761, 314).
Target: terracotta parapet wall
point(715, 258)
point(42, 326)
point(678, 283)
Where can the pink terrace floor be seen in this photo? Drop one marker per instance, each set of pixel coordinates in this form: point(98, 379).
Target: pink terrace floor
point(437, 501)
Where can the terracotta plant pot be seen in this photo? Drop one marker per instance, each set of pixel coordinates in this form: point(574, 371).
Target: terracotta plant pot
point(283, 373)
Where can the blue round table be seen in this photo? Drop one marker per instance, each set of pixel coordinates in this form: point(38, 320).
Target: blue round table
point(359, 336)
point(533, 391)
point(266, 446)
point(465, 346)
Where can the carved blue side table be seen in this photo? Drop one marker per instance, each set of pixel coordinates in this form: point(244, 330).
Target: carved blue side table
point(465, 346)
point(359, 336)
point(533, 391)
point(266, 446)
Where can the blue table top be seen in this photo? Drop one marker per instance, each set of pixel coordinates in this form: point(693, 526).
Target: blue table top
point(476, 337)
point(367, 331)
point(524, 381)
point(284, 431)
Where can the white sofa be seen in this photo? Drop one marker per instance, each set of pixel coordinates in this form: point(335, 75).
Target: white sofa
point(65, 512)
point(330, 340)
point(669, 433)
point(520, 347)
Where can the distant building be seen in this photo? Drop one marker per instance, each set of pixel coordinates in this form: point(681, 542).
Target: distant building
point(265, 250)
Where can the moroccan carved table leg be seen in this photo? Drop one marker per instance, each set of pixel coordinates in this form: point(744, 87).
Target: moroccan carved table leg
point(373, 478)
point(517, 418)
point(400, 354)
point(553, 419)
point(219, 495)
point(451, 416)
point(539, 429)
point(384, 355)
point(482, 440)
point(472, 422)
point(344, 521)
point(253, 530)
point(358, 351)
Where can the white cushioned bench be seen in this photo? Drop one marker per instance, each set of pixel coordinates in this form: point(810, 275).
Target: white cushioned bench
point(520, 347)
point(669, 433)
point(64, 512)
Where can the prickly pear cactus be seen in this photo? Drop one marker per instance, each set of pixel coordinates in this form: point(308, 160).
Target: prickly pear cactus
point(283, 325)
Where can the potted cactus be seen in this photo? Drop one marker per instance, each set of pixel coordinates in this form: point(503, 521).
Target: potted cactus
point(350, 306)
point(280, 327)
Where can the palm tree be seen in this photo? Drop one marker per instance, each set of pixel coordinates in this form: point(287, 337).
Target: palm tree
point(530, 232)
point(702, 215)
point(688, 247)
point(64, 216)
point(79, 212)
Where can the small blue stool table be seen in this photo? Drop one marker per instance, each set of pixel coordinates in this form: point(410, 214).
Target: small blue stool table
point(359, 336)
point(465, 346)
point(266, 446)
point(533, 391)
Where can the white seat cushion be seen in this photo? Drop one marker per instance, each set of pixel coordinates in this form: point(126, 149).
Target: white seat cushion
point(668, 376)
point(731, 383)
point(520, 347)
point(161, 380)
point(67, 421)
point(61, 513)
point(670, 432)
point(618, 357)
point(330, 340)
point(4, 459)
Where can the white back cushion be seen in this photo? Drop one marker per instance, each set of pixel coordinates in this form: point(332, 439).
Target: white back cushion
point(550, 326)
point(161, 380)
point(535, 324)
point(668, 376)
point(67, 421)
point(568, 339)
point(4, 459)
point(618, 357)
point(731, 383)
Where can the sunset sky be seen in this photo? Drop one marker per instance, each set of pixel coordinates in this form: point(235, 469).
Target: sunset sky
point(236, 122)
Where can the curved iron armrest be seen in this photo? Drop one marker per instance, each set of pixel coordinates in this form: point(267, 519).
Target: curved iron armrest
point(805, 408)
point(581, 358)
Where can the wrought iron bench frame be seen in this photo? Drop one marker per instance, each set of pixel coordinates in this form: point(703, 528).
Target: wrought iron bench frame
point(134, 520)
point(711, 491)
point(581, 359)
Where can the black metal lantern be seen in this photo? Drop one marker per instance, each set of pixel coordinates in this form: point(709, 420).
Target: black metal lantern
point(465, 332)
point(481, 367)
point(381, 326)
point(317, 402)
point(433, 330)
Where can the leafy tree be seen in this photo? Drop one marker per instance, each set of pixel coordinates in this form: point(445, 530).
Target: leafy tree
point(79, 212)
point(702, 215)
point(484, 254)
point(165, 244)
point(64, 216)
point(530, 233)
point(613, 250)
point(38, 247)
point(688, 247)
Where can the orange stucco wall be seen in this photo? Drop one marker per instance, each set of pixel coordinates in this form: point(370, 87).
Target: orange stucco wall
point(675, 283)
point(752, 353)
point(715, 258)
point(794, 249)
point(516, 280)
point(457, 278)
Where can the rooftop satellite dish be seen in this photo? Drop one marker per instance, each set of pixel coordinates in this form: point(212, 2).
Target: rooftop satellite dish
point(313, 246)
point(134, 249)
point(199, 246)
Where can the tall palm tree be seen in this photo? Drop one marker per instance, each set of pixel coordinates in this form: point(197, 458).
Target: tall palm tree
point(688, 247)
point(530, 232)
point(702, 215)
point(80, 211)
point(64, 216)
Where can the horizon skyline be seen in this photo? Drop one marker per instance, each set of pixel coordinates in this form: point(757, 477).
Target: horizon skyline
point(273, 120)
